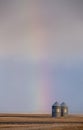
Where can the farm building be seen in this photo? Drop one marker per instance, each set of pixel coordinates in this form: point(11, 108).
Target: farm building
point(64, 109)
point(59, 110)
point(56, 110)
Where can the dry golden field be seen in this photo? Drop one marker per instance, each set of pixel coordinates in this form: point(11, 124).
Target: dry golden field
point(40, 122)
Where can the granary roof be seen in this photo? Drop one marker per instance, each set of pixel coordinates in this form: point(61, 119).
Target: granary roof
point(63, 104)
point(56, 104)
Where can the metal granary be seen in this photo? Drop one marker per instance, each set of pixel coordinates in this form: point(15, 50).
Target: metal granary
point(56, 110)
point(64, 109)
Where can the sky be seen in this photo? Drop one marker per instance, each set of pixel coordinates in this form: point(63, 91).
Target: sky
point(41, 55)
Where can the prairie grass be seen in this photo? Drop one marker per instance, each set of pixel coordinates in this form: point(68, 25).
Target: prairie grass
point(40, 122)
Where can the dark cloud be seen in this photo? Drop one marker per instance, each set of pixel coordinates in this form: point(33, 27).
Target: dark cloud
point(61, 21)
point(30, 30)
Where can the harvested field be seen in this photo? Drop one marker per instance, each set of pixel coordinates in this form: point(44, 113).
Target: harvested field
point(40, 122)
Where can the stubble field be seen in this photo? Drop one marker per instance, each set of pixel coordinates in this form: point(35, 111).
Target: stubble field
point(40, 122)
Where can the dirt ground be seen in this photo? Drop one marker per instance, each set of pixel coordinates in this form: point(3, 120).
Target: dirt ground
point(40, 122)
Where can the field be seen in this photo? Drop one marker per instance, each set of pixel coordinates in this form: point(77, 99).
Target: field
point(40, 122)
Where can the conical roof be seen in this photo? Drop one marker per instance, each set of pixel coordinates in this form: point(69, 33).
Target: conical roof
point(63, 104)
point(56, 104)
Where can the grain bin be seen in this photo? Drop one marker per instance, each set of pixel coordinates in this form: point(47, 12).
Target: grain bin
point(56, 110)
point(64, 109)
